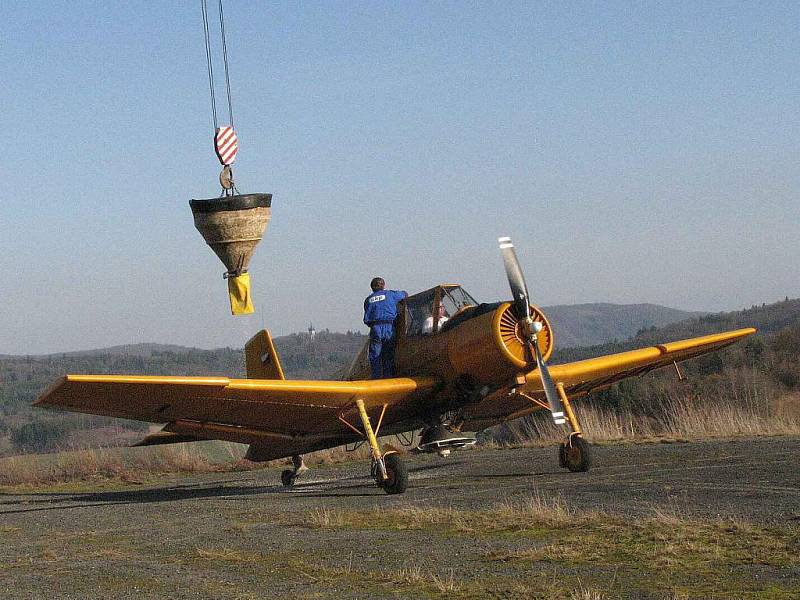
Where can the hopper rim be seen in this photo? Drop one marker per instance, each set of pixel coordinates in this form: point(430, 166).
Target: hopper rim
point(237, 202)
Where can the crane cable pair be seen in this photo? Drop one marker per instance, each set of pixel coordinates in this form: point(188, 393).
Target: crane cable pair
point(231, 224)
point(226, 144)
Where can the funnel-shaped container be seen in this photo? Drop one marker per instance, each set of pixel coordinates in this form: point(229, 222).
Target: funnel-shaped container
point(233, 226)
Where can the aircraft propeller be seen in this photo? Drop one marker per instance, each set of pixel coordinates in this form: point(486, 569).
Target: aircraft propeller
point(531, 328)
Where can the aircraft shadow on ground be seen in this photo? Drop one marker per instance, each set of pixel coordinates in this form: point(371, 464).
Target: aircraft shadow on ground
point(332, 488)
point(41, 502)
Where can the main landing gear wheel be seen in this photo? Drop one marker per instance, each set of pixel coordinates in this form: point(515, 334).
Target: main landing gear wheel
point(287, 477)
point(575, 455)
point(397, 481)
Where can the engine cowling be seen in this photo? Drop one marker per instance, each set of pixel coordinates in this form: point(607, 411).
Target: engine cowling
point(490, 348)
point(510, 330)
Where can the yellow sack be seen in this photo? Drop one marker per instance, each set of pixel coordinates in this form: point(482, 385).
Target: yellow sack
point(239, 292)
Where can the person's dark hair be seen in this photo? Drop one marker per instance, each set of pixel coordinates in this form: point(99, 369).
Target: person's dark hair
point(377, 283)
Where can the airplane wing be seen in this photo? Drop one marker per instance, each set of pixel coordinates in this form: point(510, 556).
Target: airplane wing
point(585, 376)
point(281, 417)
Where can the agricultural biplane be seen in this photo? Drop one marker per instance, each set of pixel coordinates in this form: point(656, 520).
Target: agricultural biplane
point(462, 366)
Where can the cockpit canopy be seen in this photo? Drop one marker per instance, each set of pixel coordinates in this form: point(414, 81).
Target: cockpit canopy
point(443, 300)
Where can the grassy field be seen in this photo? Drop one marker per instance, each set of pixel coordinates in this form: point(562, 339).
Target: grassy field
point(532, 549)
point(713, 519)
point(558, 552)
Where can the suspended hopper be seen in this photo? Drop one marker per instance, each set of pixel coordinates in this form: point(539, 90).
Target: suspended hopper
point(233, 226)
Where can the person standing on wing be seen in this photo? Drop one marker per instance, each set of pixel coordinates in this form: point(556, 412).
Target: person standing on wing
point(380, 312)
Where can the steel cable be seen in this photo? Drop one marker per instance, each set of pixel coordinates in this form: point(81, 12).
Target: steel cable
point(210, 64)
point(225, 59)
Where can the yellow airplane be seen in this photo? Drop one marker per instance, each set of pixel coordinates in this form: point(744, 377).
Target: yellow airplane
point(462, 366)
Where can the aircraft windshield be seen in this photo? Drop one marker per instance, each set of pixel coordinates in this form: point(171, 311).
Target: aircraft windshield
point(455, 298)
point(419, 308)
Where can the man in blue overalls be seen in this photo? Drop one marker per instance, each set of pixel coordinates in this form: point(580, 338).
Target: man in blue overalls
point(380, 311)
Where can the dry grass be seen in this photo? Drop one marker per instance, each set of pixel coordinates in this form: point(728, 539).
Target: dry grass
point(229, 555)
point(681, 417)
point(538, 510)
point(446, 584)
point(585, 594)
point(408, 575)
point(323, 518)
point(103, 464)
point(135, 465)
point(547, 511)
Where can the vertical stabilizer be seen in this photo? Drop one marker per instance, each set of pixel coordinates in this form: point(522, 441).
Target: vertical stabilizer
point(261, 359)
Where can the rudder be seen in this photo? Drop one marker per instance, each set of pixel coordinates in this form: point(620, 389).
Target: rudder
point(261, 358)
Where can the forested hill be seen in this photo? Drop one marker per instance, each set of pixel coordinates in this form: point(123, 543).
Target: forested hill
point(761, 372)
point(780, 317)
point(590, 324)
point(24, 378)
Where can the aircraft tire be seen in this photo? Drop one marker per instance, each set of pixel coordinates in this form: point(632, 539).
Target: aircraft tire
point(398, 475)
point(576, 455)
point(287, 478)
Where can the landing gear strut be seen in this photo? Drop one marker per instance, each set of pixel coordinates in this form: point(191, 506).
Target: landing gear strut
point(388, 469)
point(288, 476)
point(575, 454)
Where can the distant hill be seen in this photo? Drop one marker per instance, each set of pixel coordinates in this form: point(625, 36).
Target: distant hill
point(761, 372)
point(134, 350)
point(24, 378)
point(575, 325)
point(768, 319)
point(591, 324)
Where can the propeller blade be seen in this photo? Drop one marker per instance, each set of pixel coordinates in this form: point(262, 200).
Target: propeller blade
point(522, 307)
point(556, 408)
point(515, 278)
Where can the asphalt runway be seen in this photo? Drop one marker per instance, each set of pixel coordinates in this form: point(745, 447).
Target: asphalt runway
point(755, 479)
point(66, 544)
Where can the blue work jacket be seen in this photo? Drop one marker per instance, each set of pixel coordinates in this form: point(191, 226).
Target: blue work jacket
point(380, 308)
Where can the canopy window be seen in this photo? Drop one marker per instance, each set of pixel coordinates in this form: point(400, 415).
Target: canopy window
point(422, 310)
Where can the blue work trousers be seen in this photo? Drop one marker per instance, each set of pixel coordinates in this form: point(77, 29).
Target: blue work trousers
point(381, 350)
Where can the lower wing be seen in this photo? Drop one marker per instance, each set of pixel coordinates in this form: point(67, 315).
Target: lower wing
point(278, 417)
point(585, 376)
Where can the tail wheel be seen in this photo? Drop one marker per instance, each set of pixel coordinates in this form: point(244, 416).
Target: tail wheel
point(575, 455)
point(398, 475)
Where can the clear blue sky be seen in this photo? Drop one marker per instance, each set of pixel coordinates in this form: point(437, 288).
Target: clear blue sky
point(635, 153)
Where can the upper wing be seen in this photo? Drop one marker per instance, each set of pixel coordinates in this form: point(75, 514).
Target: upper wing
point(286, 415)
point(582, 377)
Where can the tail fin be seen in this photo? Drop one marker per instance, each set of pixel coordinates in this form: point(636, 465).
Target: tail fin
point(261, 358)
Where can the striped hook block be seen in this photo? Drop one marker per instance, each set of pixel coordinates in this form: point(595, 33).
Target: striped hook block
point(226, 144)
